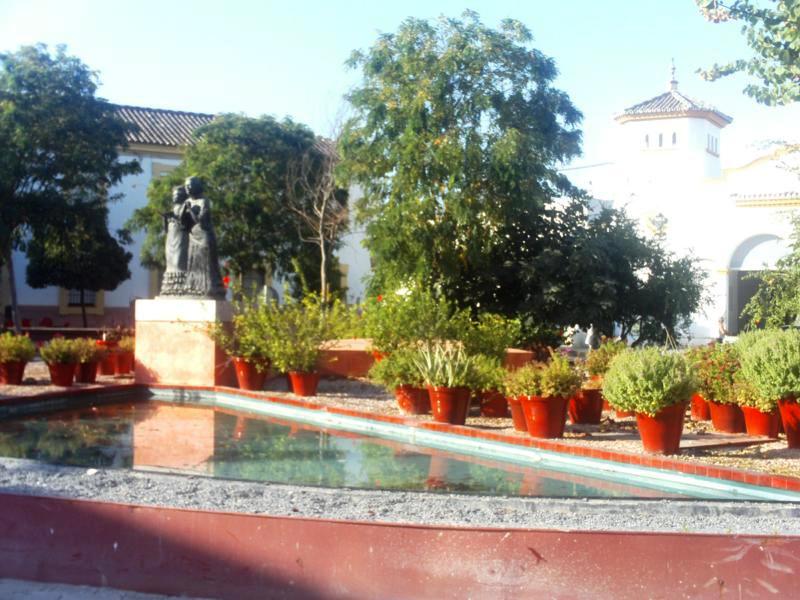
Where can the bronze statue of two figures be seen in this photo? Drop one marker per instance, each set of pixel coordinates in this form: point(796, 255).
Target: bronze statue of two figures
point(192, 265)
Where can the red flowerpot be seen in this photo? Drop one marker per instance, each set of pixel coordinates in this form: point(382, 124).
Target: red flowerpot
point(700, 410)
point(760, 423)
point(86, 372)
point(124, 363)
point(517, 414)
point(586, 407)
point(545, 417)
point(11, 372)
point(304, 384)
point(412, 400)
point(493, 404)
point(449, 405)
point(62, 374)
point(726, 418)
point(248, 375)
point(790, 415)
point(661, 434)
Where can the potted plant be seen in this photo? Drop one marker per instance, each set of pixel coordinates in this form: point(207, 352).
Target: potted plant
point(61, 357)
point(488, 378)
point(697, 357)
point(246, 343)
point(597, 363)
point(523, 382)
point(125, 359)
point(761, 416)
point(772, 366)
point(447, 371)
point(15, 352)
point(715, 372)
point(109, 342)
point(89, 357)
point(398, 372)
point(656, 385)
point(546, 413)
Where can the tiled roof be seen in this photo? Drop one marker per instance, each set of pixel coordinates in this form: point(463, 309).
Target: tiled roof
point(162, 127)
point(671, 103)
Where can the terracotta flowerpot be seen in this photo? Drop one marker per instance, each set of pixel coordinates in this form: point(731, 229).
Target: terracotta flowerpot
point(586, 407)
point(124, 363)
point(493, 404)
point(86, 372)
point(449, 405)
point(247, 375)
point(700, 410)
point(304, 384)
point(790, 415)
point(62, 373)
point(757, 422)
point(726, 418)
point(661, 434)
point(11, 372)
point(412, 400)
point(545, 417)
point(108, 366)
point(517, 414)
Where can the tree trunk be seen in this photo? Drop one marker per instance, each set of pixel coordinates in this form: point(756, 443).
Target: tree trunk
point(83, 309)
point(323, 278)
point(12, 286)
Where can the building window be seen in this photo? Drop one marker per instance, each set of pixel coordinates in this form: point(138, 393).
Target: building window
point(74, 298)
point(660, 140)
point(674, 138)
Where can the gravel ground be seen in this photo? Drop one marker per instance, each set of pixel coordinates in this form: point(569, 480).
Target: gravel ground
point(37, 381)
point(137, 487)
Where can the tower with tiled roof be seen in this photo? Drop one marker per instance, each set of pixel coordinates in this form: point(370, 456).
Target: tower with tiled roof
point(672, 135)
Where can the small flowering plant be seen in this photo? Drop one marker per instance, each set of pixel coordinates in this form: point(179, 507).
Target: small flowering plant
point(719, 370)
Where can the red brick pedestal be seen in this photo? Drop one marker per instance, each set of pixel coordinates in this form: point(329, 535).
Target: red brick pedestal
point(173, 346)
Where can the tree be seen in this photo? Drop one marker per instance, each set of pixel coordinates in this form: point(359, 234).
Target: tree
point(773, 33)
point(57, 141)
point(456, 136)
point(244, 164)
point(319, 204)
point(79, 253)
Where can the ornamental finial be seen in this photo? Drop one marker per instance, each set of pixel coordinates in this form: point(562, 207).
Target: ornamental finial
point(673, 82)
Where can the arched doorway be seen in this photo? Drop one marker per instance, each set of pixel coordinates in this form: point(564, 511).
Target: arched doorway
point(754, 254)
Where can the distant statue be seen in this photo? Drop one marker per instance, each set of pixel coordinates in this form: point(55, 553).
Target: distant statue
point(203, 277)
point(177, 245)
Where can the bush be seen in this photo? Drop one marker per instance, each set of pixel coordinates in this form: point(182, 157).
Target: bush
point(445, 365)
point(771, 365)
point(525, 381)
point(59, 351)
point(746, 395)
point(16, 348)
point(723, 361)
point(648, 380)
point(127, 343)
point(88, 351)
point(599, 359)
point(559, 379)
point(396, 369)
point(491, 335)
point(245, 337)
point(488, 374)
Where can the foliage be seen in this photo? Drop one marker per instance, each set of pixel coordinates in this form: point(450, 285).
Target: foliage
point(488, 373)
point(59, 350)
point(646, 380)
point(491, 335)
point(58, 142)
point(78, 252)
point(746, 394)
point(599, 359)
point(398, 368)
point(525, 381)
point(16, 348)
point(444, 365)
point(244, 337)
point(559, 378)
point(773, 33)
point(88, 351)
point(718, 373)
point(127, 343)
point(772, 365)
point(699, 360)
point(776, 302)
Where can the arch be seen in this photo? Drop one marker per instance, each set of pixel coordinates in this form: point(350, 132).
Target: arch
point(739, 255)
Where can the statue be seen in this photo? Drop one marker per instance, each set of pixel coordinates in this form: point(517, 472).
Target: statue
point(191, 247)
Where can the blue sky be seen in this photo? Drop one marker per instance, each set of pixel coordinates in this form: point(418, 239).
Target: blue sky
point(287, 58)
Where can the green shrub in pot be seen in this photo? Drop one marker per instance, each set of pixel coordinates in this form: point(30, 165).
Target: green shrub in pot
point(525, 381)
point(488, 373)
point(599, 359)
point(771, 365)
point(59, 351)
point(647, 380)
point(444, 364)
point(559, 378)
point(398, 368)
point(16, 348)
point(88, 351)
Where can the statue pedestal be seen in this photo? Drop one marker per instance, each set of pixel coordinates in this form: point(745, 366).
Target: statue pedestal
point(173, 346)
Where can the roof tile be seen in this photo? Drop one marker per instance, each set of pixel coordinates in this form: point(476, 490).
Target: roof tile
point(162, 127)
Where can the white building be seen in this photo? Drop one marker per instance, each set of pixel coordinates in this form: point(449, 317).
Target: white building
point(667, 173)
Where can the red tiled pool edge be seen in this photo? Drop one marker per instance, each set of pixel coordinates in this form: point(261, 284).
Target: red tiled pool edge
point(240, 556)
point(782, 482)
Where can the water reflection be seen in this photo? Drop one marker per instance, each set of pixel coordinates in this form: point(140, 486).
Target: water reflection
point(214, 442)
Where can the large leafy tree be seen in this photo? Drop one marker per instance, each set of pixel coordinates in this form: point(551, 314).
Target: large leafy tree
point(772, 30)
point(78, 253)
point(57, 141)
point(244, 164)
point(456, 136)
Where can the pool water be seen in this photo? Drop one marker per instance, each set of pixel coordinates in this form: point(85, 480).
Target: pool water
point(200, 440)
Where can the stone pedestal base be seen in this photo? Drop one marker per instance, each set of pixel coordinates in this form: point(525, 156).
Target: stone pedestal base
point(173, 346)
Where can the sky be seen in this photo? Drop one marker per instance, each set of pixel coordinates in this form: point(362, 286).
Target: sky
point(286, 58)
